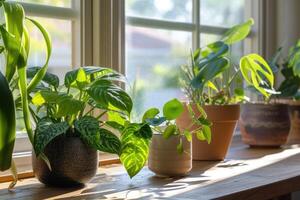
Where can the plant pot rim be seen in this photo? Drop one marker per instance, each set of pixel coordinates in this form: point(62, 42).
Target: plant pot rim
point(266, 104)
point(212, 105)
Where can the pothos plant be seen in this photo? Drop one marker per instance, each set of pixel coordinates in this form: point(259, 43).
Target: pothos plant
point(211, 73)
point(69, 110)
point(166, 124)
point(14, 85)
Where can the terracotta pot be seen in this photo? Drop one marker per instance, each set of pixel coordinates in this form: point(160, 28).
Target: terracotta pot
point(73, 163)
point(294, 135)
point(264, 124)
point(164, 159)
point(224, 119)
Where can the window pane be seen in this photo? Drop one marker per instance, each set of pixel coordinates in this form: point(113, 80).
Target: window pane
point(206, 39)
point(175, 10)
point(153, 59)
point(61, 58)
point(221, 13)
point(59, 3)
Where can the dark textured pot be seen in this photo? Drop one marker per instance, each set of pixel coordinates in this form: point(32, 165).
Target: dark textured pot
point(294, 112)
point(265, 125)
point(224, 119)
point(73, 163)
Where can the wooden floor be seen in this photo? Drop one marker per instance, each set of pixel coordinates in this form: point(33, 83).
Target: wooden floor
point(245, 174)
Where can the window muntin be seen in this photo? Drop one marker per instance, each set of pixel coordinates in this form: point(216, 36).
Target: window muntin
point(140, 69)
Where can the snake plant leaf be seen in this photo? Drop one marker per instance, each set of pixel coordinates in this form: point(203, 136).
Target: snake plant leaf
point(134, 153)
point(88, 130)
point(7, 124)
point(106, 93)
point(49, 78)
point(41, 73)
point(256, 72)
point(12, 35)
point(238, 32)
point(172, 109)
point(150, 113)
point(209, 72)
point(46, 131)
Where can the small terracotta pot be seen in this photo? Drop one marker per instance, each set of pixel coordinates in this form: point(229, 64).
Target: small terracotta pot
point(164, 159)
point(224, 119)
point(264, 124)
point(294, 135)
point(73, 163)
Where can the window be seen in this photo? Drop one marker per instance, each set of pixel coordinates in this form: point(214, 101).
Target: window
point(60, 18)
point(159, 37)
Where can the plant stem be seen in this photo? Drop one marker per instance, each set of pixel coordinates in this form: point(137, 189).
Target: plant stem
point(103, 113)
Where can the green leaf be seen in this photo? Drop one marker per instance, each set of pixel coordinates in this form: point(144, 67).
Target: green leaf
point(115, 125)
point(96, 137)
point(209, 72)
point(109, 142)
point(204, 121)
point(188, 135)
point(150, 113)
point(145, 131)
point(238, 32)
point(256, 72)
point(239, 92)
point(200, 135)
point(88, 129)
point(92, 73)
point(135, 150)
point(46, 131)
point(207, 133)
point(49, 78)
point(12, 35)
point(7, 124)
point(41, 73)
point(106, 93)
point(172, 109)
point(66, 104)
point(179, 147)
point(169, 131)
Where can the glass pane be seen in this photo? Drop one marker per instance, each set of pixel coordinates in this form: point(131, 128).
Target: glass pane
point(206, 39)
point(221, 13)
point(61, 58)
point(59, 3)
point(175, 10)
point(153, 59)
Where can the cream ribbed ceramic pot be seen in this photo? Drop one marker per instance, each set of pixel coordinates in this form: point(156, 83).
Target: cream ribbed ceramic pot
point(164, 159)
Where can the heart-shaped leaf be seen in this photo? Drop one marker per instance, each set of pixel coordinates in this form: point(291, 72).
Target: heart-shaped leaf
point(134, 150)
point(45, 132)
point(172, 109)
point(106, 93)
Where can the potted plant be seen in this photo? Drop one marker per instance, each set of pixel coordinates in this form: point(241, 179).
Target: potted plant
point(266, 123)
point(208, 81)
point(14, 87)
point(288, 89)
point(69, 133)
point(170, 149)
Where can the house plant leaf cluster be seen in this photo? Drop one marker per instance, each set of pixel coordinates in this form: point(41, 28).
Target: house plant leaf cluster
point(166, 124)
point(16, 48)
point(69, 110)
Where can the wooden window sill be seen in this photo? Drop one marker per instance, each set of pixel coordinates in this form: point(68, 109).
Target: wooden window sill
point(245, 174)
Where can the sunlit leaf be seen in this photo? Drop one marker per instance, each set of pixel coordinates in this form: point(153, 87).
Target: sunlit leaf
point(172, 109)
